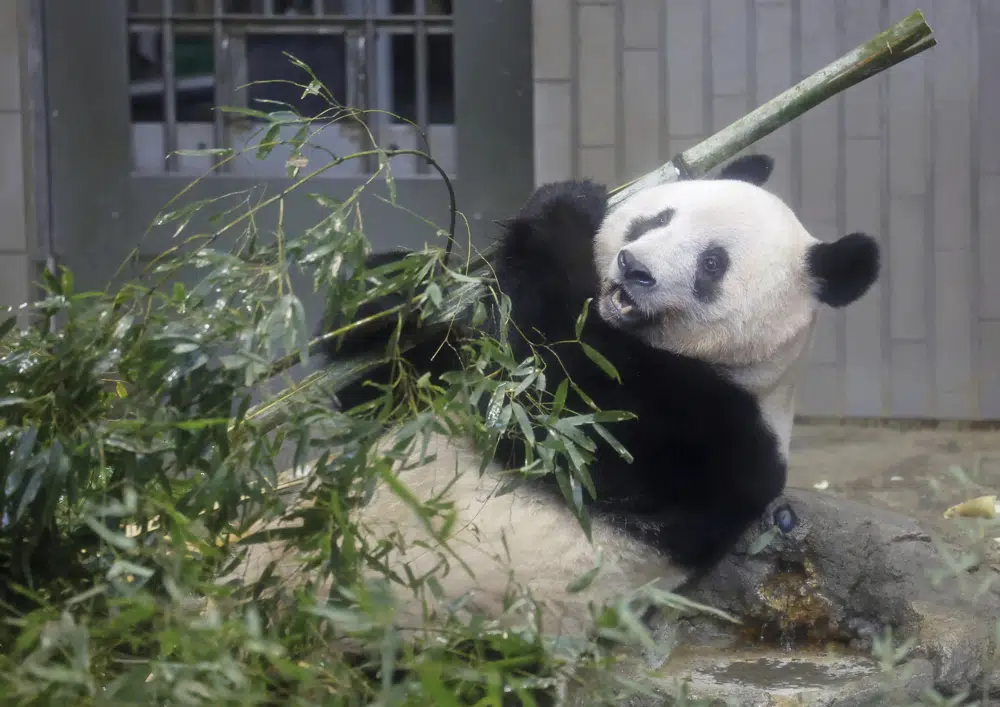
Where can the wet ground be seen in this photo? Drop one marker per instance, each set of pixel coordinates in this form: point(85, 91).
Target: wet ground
point(919, 472)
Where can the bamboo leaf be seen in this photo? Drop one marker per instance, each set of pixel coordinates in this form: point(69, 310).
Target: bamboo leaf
point(598, 358)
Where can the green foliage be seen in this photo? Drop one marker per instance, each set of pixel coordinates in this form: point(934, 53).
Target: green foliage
point(139, 472)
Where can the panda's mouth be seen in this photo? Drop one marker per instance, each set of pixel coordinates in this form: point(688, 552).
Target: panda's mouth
point(625, 306)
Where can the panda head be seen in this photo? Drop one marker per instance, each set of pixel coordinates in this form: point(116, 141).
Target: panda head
point(722, 270)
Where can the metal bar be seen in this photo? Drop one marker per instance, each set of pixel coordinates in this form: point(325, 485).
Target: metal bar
point(38, 98)
point(302, 20)
point(317, 8)
point(268, 7)
point(221, 74)
point(169, 87)
point(372, 120)
point(234, 28)
point(421, 100)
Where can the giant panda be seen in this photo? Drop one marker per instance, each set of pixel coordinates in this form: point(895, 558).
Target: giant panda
point(704, 294)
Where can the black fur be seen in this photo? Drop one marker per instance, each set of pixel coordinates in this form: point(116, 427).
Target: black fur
point(845, 269)
point(428, 355)
point(642, 226)
point(705, 464)
point(755, 169)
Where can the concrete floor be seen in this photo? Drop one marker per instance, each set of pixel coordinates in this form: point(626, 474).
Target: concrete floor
point(907, 470)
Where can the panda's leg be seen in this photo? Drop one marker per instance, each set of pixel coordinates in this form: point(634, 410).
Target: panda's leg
point(697, 538)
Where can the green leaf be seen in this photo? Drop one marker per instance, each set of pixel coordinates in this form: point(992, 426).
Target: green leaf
point(478, 315)
point(192, 425)
point(270, 141)
point(524, 423)
point(434, 293)
point(559, 402)
point(574, 484)
point(67, 281)
point(118, 540)
point(7, 326)
point(495, 406)
point(583, 474)
point(437, 692)
point(523, 385)
point(247, 112)
point(581, 319)
point(763, 540)
point(587, 578)
point(30, 492)
point(123, 568)
point(615, 444)
point(390, 182)
point(635, 627)
point(51, 282)
point(598, 358)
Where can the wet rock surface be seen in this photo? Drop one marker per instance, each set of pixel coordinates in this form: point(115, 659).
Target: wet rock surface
point(776, 679)
point(814, 596)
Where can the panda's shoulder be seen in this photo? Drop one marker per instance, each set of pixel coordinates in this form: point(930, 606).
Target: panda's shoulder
point(690, 400)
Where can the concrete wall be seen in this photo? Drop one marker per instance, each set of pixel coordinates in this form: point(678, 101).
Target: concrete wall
point(15, 175)
point(912, 156)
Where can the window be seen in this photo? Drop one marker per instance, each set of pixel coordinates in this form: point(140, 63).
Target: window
point(391, 57)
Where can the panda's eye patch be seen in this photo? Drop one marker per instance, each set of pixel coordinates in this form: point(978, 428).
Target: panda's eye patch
point(641, 226)
point(713, 262)
point(785, 519)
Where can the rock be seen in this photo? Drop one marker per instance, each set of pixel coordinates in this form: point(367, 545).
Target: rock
point(761, 678)
point(843, 573)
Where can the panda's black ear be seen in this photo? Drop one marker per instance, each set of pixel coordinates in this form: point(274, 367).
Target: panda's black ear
point(845, 269)
point(755, 169)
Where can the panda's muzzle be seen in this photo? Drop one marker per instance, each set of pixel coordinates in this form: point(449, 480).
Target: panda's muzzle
point(634, 272)
point(622, 301)
point(636, 278)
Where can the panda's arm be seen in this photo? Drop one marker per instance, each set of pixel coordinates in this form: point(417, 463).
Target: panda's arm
point(545, 257)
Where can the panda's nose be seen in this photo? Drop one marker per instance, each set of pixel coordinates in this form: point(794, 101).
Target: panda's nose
point(633, 271)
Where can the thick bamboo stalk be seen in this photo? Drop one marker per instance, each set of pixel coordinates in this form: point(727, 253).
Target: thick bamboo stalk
point(908, 37)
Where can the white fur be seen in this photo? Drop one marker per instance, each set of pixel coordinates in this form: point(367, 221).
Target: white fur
point(760, 326)
point(541, 542)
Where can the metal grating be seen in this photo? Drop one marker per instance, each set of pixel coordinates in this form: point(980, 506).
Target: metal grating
point(187, 56)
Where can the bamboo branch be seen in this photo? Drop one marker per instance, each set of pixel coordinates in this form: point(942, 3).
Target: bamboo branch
point(905, 39)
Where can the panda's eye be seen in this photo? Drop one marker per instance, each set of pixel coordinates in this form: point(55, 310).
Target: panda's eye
point(785, 519)
point(713, 263)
